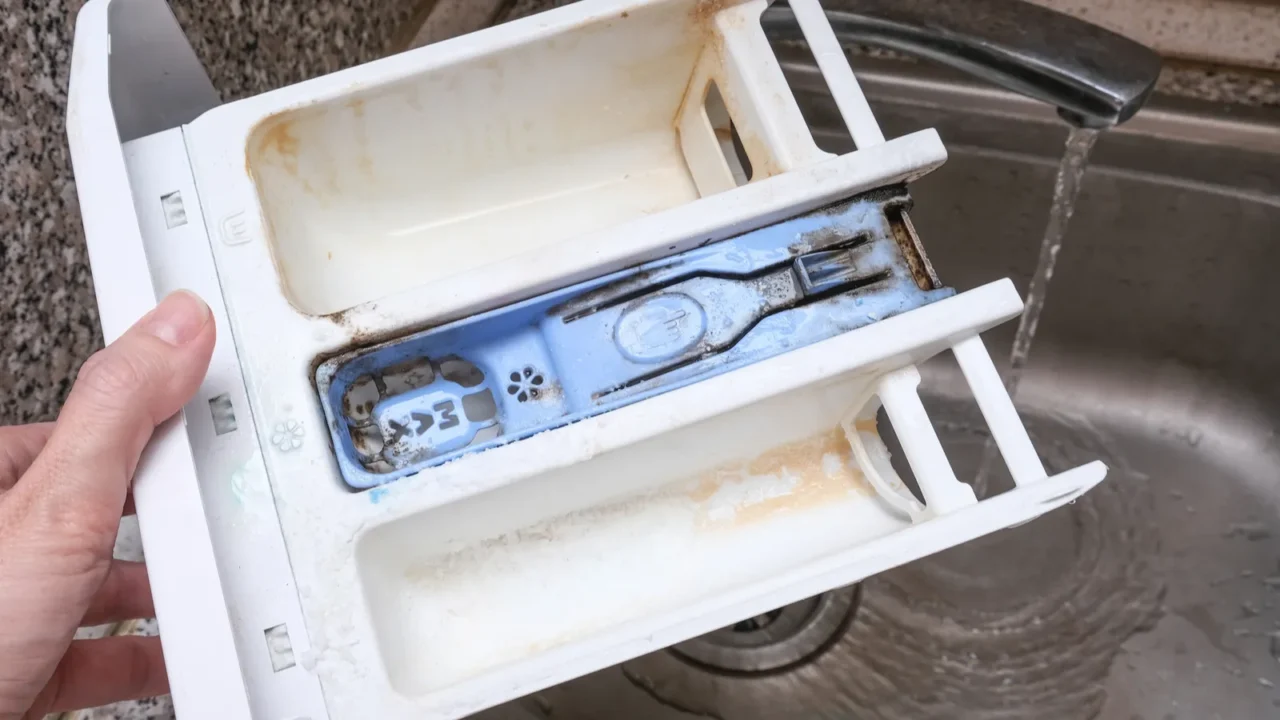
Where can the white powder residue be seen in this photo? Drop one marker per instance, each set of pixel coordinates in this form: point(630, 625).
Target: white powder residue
point(743, 490)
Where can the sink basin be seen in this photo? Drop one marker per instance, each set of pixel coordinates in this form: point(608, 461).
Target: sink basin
point(1155, 596)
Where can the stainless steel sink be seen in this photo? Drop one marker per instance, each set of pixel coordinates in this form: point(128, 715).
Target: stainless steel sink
point(1156, 596)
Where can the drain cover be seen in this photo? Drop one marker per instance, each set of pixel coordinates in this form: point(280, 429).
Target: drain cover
point(777, 639)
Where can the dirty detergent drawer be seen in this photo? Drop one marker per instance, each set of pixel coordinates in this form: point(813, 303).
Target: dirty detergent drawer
point(566, 319)
point(486, 158)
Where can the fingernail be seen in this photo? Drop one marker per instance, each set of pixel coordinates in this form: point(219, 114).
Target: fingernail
point(178, 318)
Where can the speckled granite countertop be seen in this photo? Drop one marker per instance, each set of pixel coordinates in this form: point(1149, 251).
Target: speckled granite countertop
point(48, 316)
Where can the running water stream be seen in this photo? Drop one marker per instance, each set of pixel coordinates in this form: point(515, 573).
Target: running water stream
point(1066, 188)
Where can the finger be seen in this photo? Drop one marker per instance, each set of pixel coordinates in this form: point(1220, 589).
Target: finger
point(19, 445)
point(100, 672)
point(124, 595)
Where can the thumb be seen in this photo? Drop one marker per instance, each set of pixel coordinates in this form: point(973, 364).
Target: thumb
point(81, 477)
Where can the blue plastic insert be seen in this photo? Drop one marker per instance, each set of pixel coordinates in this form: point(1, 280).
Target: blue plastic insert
point(495, 378)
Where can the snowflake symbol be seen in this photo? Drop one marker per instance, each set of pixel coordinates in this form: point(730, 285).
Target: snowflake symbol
point(288, 435)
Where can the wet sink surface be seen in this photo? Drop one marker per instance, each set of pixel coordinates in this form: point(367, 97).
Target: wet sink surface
point(1157, 595)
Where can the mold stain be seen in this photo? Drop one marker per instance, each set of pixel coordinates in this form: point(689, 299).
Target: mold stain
point(794, 477)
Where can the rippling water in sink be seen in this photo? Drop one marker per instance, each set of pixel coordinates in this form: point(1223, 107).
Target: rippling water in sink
point(1032, 617)
point(1066, 188)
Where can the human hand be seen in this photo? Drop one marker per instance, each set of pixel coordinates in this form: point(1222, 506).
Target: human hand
point(63, 488)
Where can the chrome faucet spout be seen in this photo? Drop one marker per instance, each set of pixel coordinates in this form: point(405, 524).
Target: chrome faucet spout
point(1096, 78)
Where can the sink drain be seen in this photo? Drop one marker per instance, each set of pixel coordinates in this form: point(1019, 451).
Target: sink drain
point(777, 639)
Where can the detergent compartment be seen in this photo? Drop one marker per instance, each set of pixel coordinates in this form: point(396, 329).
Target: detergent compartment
point(416, 402)
point(487, 156)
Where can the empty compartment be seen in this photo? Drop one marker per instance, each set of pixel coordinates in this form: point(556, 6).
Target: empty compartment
point(650, 528)
point(483, 157)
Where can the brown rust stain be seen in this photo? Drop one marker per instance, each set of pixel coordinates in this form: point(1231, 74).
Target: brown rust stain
point(704, 11)
point(273, 140)
point(276, 139)
point(764, 163)
point(364, 157)
point(816, 481)
point(912, 251)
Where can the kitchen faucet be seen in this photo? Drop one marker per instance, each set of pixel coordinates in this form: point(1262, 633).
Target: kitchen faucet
point(1096, 78)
